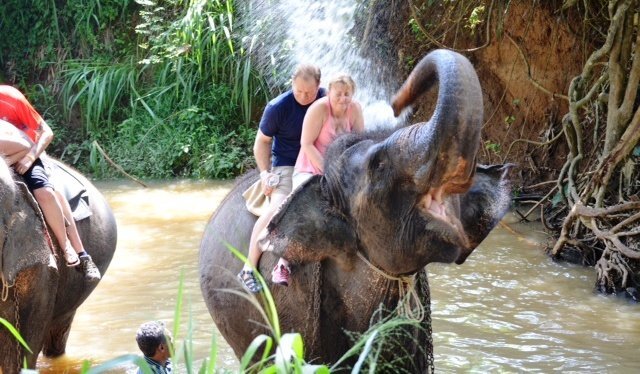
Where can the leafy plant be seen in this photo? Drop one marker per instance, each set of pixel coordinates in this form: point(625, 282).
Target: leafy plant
point(184, 108)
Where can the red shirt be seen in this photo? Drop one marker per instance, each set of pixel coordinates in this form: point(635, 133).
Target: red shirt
point(15, 109)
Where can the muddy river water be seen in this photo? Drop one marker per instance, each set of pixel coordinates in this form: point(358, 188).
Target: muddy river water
point(507, 309)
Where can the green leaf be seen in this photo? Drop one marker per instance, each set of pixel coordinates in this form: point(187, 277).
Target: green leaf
point(253, 348)
point(317, 369)
point(15, 333)
point(118, 363)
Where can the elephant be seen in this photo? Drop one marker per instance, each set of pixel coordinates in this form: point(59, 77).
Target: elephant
point(390, 202)
point(40, 294)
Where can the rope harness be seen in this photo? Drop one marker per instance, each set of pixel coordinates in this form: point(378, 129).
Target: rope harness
point(406, 291)
point(4, 293)
point(315, 303)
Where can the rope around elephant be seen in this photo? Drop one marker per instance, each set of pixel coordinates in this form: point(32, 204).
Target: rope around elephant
point(407, 293)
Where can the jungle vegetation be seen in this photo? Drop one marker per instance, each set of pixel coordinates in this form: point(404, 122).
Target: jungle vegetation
point(161, 88)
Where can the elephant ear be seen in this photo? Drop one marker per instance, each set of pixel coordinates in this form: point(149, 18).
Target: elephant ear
point(308, 228)
point(27, 241)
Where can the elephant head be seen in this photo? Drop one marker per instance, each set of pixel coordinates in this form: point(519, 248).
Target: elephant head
point(404, 197)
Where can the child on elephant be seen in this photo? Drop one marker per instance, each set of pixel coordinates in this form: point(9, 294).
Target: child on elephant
point(22, 147)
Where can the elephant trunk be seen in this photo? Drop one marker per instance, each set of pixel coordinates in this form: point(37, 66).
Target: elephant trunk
point(441, 153)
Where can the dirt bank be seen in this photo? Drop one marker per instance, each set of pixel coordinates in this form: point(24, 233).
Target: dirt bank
point(526, 56)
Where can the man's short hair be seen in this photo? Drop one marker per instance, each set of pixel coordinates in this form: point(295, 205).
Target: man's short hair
point(149, 336)
point(307, 72)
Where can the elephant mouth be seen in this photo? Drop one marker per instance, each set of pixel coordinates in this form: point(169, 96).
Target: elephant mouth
point(432, 203)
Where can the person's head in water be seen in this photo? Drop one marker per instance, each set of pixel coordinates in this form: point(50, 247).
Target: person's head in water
point(305, 83)
point(154, 340)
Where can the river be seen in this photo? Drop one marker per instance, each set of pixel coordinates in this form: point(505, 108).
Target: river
point(507, 309)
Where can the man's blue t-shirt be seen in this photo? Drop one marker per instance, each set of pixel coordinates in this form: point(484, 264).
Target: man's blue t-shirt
point(282, 120)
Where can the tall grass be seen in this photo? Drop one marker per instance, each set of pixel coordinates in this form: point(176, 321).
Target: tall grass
point(192, 60)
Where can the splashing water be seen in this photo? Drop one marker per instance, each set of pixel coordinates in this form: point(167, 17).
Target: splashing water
point(318, 32)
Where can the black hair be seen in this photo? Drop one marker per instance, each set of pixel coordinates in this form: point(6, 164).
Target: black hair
point(149, 337)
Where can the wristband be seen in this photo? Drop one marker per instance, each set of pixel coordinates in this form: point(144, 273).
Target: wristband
point(264, 173)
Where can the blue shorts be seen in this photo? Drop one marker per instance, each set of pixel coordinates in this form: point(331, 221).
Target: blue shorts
point(36, 177)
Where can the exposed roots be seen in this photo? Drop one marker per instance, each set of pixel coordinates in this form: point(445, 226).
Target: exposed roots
point(596, 211)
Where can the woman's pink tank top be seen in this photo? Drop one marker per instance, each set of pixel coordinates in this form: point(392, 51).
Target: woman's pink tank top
point(327, 136)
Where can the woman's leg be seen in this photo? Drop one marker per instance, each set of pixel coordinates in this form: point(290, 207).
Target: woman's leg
point(255, 252)
point(281, 272)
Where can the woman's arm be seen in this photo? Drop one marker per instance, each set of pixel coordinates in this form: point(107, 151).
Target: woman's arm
point(311, 127)
point(358, 117)
point(44, 136)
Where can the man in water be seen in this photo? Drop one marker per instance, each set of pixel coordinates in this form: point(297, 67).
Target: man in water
point(154, 340)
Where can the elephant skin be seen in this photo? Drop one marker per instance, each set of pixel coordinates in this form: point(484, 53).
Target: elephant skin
point(400, 198)
point(44, 293)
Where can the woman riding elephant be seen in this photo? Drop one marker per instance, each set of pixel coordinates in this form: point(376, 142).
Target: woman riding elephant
point(40, 291)
point(389, 203)
point(16, 110)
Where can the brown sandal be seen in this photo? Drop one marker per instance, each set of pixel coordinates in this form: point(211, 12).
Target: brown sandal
point(71, 257)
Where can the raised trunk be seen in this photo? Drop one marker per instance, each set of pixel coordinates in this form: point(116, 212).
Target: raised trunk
point(442, 151)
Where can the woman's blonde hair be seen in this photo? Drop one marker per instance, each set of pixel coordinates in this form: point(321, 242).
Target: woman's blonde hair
point(344, 79)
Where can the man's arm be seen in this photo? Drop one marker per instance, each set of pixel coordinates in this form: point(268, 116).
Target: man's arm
point(262, 154)
point(262, 151)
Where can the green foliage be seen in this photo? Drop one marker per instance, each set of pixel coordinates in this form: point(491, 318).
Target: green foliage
point(509, 120)
point(475, 18)
point(45, 32)
point(493, 147)
point(15, 333)
point(184, 107)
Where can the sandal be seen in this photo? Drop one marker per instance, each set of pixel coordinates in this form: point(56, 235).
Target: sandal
point(249, 281)
point(71, 257)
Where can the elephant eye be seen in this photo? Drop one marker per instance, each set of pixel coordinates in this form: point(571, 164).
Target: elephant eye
point(377, 163)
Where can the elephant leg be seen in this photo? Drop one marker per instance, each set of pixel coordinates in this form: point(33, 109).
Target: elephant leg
point(33, 294)
point(55, 342)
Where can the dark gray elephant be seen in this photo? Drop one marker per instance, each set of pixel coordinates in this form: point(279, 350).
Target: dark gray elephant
point(395, 200)
point(40, 294)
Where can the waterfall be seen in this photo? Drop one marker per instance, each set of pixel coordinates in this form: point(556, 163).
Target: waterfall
point(319, 32)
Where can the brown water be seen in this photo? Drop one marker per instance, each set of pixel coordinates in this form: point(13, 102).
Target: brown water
point(507, 309)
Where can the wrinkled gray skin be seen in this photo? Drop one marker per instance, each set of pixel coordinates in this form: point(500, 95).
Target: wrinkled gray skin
point(46, 293)
point(374, 198)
